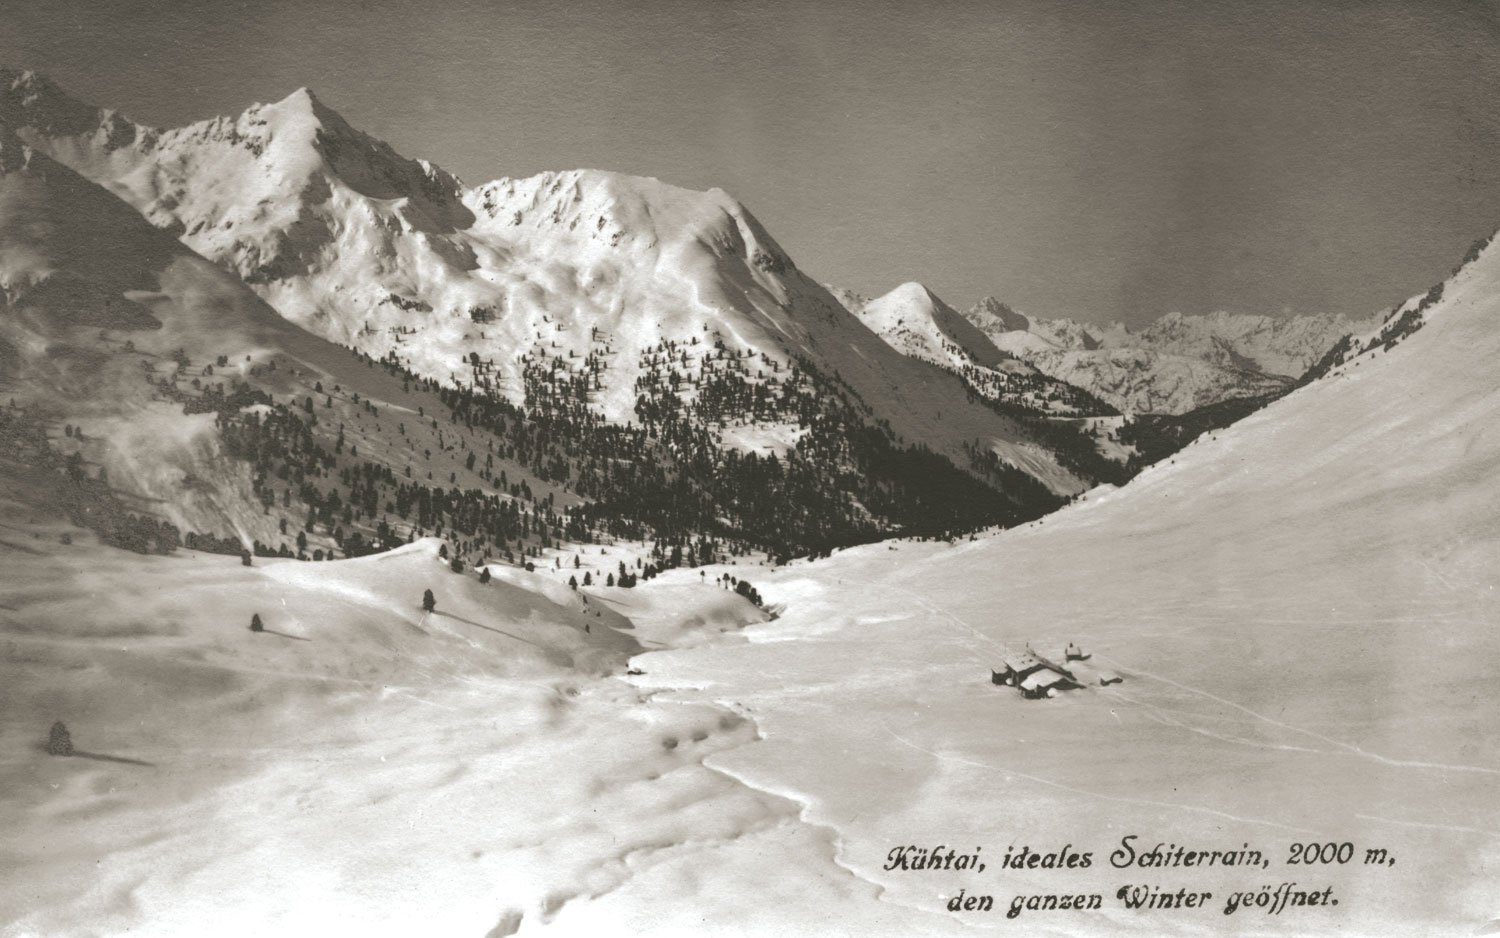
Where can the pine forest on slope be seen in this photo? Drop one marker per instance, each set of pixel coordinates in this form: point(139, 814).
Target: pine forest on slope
point(283, 443)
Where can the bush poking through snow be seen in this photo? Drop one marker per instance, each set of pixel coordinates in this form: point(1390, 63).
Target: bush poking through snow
point(484, 575)
point(429, 602)
point(59, 741)
point(255, 624)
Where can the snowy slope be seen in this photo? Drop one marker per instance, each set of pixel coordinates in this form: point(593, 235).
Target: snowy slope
point(82, 275)
point(576, 270)
point(1303, 608)
point(339, 772)
point(111, 326)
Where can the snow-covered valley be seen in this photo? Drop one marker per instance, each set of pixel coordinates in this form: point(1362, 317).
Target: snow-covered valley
point(1302, 609)
point(563, 433)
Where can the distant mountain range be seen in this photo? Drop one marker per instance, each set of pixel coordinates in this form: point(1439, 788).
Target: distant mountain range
point(1177, 363)
point(917, 323)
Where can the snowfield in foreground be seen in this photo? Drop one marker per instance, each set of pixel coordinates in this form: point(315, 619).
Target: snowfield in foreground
point(361, 767)
point(1304, 609)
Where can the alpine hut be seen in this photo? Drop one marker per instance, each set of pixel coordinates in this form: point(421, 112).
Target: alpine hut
point(1034, 676)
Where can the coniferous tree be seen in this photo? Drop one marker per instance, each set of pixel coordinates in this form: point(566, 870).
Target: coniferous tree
point(255, 624)
point(429, 602)
point(59, 740)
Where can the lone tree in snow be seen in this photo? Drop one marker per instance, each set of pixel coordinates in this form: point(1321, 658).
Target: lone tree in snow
point(484, 575)
point(573, 582)
point(429, 602)
point(59, 742)
point(255, 623)
point(245, 557)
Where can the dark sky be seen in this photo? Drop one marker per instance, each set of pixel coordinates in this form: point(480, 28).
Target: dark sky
point(1106, 160)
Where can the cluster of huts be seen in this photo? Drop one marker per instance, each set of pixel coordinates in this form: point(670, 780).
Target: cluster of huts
point(1036, 676)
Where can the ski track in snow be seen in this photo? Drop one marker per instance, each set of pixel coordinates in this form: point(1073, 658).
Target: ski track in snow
point(1349, 747)
point(1426, 826)
point(1237, 740)
point(1290, 727)
point(949, 757)
point(932, 607)
point(1341, 746)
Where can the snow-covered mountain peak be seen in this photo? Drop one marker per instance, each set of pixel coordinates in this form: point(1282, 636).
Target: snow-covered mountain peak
point(230, 180)
point(300, 126)
point(288, 128)
point(302, 104)
point(992, 315)
point(29, 97)
point(910, 299)
point(587, 205)
point(916, 321)
point(31, 100)
point(913, 293)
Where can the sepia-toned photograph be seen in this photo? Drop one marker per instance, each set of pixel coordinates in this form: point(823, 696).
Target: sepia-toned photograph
point(780, 468)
